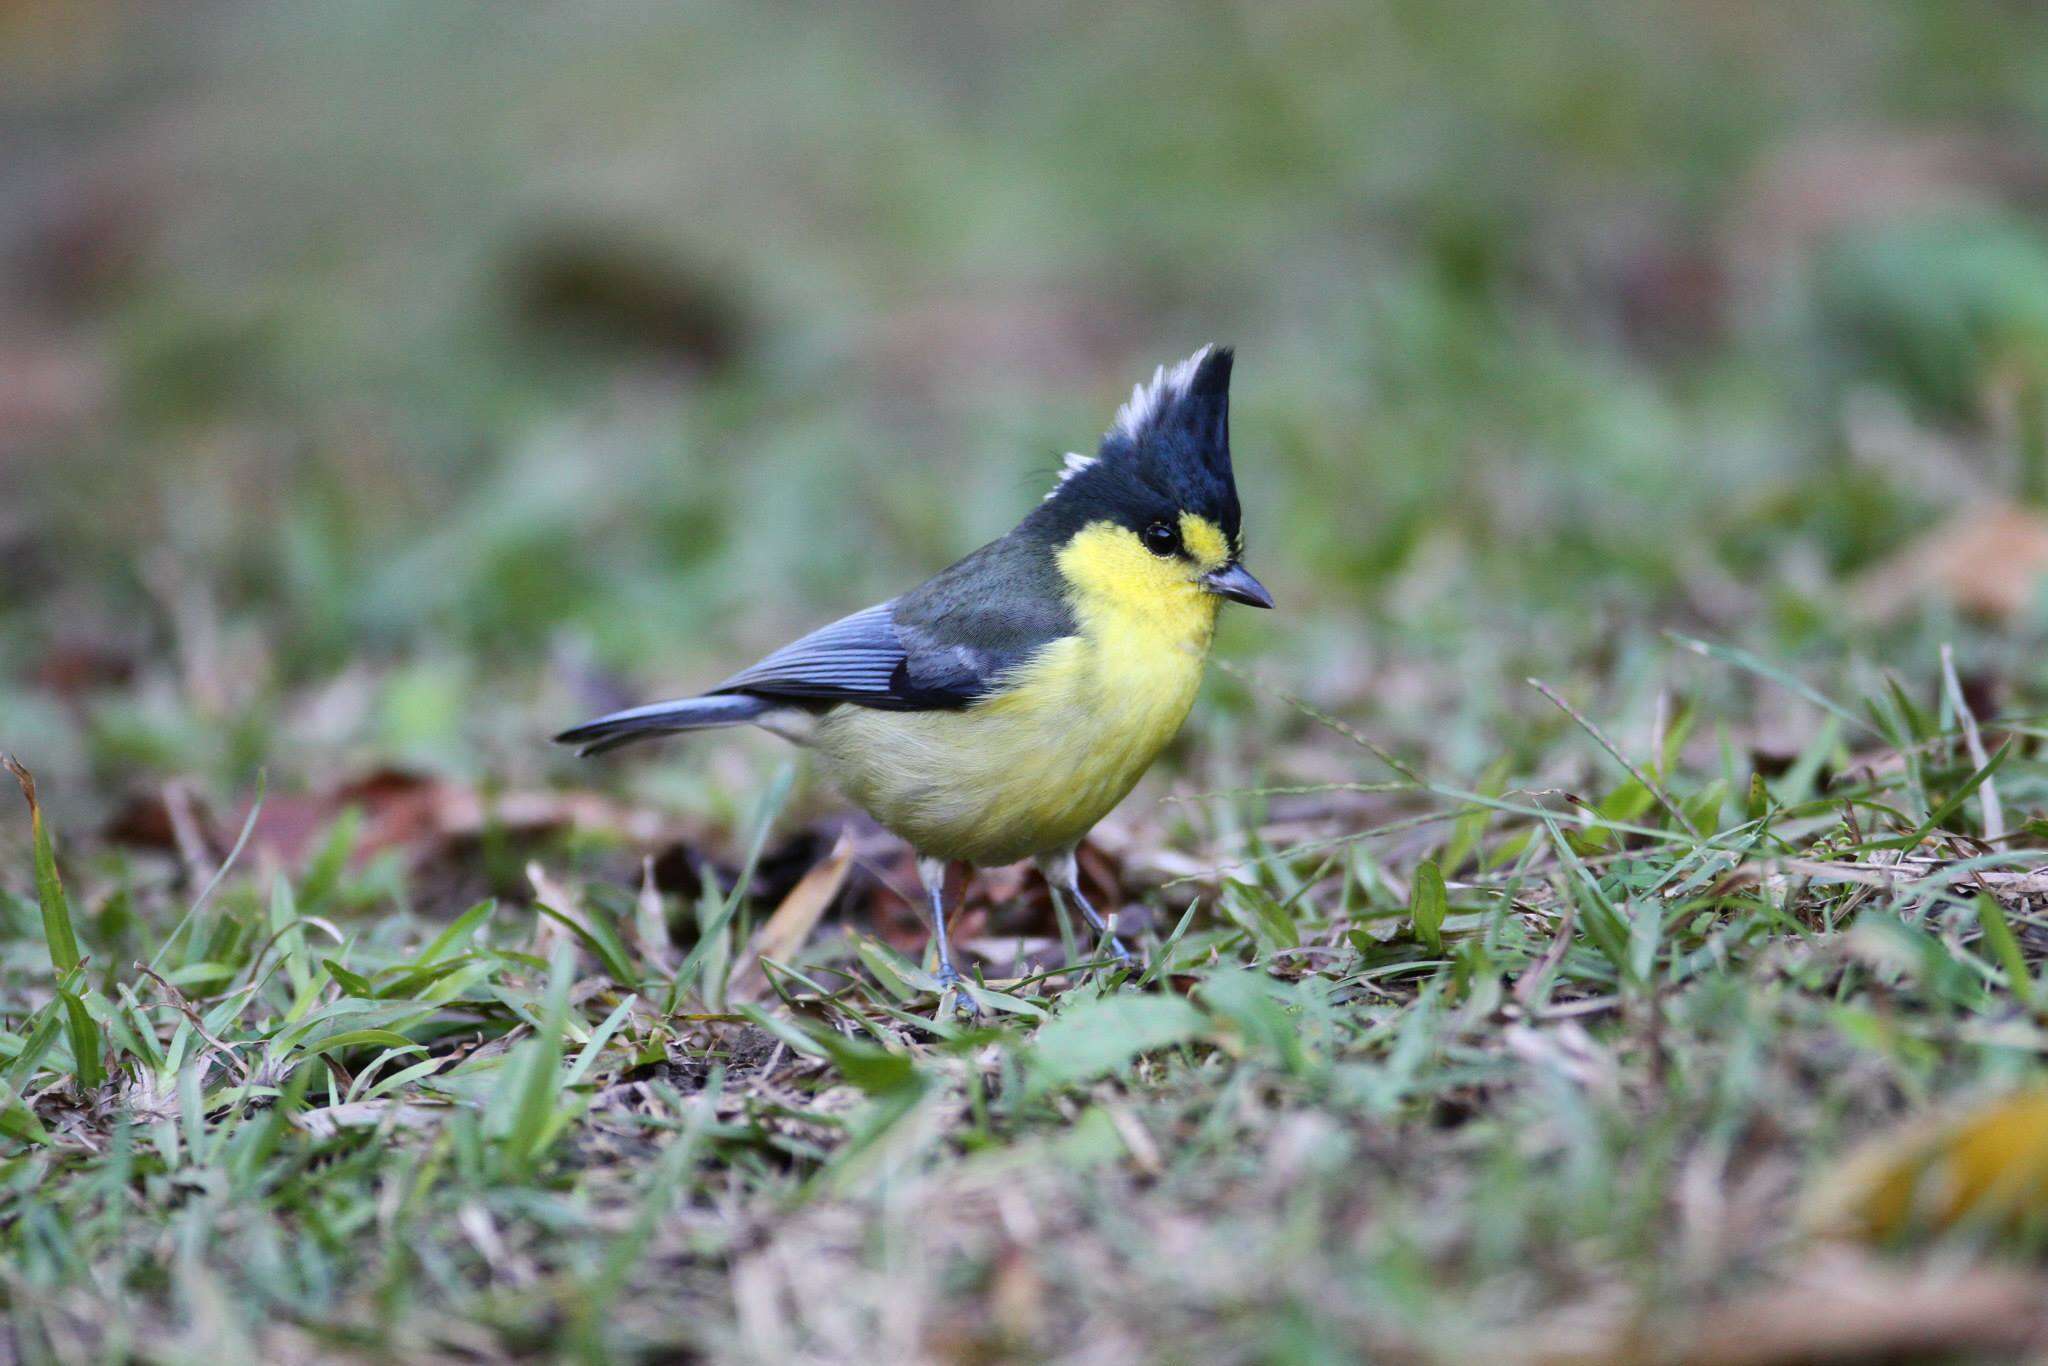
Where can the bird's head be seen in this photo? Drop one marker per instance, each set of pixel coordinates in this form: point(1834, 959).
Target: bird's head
point(1153, 516)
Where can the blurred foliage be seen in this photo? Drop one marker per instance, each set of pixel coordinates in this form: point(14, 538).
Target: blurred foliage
point(428, 332)
point(1935, 308)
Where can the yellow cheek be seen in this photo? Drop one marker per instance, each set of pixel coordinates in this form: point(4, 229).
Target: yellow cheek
point(1204, 541)
point(1134, 605)
point(1106, 564)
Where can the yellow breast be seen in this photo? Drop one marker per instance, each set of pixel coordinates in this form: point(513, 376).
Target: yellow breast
point(1034, 766)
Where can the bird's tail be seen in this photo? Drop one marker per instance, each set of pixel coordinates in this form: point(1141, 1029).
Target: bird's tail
point(663, 718)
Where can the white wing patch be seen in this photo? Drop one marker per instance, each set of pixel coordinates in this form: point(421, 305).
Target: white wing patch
point(1074, 463)
point(1148, 399)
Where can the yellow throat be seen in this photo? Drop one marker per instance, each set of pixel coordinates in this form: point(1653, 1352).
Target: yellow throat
point(1144, 613)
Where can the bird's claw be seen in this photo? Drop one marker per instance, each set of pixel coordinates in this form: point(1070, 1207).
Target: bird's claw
point(951, 982)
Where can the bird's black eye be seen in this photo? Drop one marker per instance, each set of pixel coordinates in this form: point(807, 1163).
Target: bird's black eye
point(1161, 539)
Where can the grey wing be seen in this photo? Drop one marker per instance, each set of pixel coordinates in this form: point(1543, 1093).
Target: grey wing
point(971, 624)
point(944, 644)
point(866, 660)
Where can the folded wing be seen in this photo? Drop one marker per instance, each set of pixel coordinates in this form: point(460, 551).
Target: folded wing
point(858, 655)
point(872, 660)
point(943, 645)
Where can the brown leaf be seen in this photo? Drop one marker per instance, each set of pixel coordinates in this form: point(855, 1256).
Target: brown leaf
point(418, 815)
point(1987, 560)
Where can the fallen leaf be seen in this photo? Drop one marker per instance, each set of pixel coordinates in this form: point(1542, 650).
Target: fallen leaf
point(420, 816)
point(364, 1114)
point(1987, 560)
point(1987, 1168)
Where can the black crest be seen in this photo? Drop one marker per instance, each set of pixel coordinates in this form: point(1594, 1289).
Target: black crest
point(1169, 450)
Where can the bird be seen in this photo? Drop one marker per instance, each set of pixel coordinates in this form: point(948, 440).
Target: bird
point(996, 712)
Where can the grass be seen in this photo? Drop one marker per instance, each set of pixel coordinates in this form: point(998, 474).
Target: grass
point(1561, 1087)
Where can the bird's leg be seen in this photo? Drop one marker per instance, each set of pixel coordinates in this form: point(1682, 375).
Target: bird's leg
point(1063, 874)
point(933, 872)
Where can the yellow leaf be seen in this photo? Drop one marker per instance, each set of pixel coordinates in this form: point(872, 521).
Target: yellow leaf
point(1985, 1168)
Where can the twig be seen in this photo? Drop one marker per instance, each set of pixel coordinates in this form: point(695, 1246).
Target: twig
point(185, 831)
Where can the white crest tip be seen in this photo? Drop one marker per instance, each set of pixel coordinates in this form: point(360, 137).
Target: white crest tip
point(1072, 465)
point(1148, 399)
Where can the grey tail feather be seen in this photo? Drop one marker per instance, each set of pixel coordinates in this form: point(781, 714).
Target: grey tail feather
point(663, 718)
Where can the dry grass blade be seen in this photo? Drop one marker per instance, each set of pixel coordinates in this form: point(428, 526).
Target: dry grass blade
point(185, 1007)
point(649, 926)
point(1994, 810)
point(1913, 872)
point(1324, 719)
point(1534, 982)
point(330, 1120)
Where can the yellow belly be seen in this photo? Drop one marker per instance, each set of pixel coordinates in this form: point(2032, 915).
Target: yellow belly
point(1032, 768)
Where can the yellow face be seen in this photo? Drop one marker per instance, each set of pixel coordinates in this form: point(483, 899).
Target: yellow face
point(1113, 568)
point(1205, 543)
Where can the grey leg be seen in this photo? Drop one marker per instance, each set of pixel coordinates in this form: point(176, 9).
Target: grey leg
point(932, 872)
point(1063, 872)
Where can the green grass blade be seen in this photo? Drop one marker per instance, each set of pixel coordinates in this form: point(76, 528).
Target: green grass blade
point(586, 1059)
point(1427, 903)
point(88, 1043)
point(1999, 937)
point(533, 1117)
point(771, 807)
point(1743, 659)
point(57, 932)
point(206, 893)
point(603, 944)
point(458, 932)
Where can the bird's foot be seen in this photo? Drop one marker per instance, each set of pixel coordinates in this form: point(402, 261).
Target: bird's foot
point(953, 984)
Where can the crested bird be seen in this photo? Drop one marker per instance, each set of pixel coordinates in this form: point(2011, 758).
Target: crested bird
point(999, 710)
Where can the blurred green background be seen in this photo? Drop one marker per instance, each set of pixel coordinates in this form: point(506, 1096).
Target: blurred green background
point(396, 382)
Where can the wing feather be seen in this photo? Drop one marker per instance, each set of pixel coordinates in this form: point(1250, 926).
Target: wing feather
point(856, 654)
point(864, 659)
point(944, 644)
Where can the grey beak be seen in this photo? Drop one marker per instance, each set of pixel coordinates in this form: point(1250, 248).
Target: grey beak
point(1235, 582)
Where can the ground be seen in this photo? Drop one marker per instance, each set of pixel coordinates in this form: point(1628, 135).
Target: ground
point(1599, 917)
